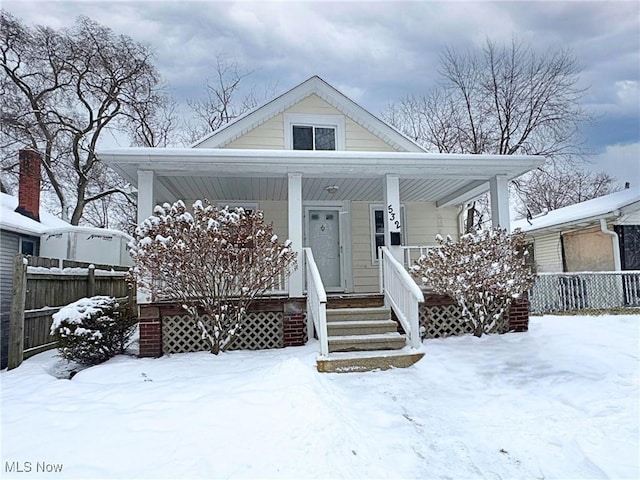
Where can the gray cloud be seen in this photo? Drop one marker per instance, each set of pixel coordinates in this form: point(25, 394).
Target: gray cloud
point(376, 52)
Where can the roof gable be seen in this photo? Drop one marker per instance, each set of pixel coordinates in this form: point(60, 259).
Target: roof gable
point(314, 85)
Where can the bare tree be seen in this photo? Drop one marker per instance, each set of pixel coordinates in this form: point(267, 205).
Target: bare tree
point(558, 186)
point(224, 100)
point(483, 272)
point(214, 262)
point(500, 100)
point(63, 90)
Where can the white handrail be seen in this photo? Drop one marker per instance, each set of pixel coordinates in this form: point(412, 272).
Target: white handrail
point(316, 303)
point(403, 294)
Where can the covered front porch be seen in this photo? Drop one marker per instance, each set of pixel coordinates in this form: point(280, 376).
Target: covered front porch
point(343, 205)
point(338, 209)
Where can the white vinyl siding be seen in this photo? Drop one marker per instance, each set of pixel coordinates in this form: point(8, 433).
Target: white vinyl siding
point(548, 253)
point(270, 135)
point(424, 221)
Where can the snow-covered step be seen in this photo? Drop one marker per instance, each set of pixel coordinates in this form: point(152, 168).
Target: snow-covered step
point(355, 314)
point(361, 327)
point(375, 341)
point(365, 361)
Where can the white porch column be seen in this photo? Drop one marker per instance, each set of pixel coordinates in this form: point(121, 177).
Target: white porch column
point(392, 216)
point(499, 191)
point(146, 202)
point(146, 195)
point(296, 279)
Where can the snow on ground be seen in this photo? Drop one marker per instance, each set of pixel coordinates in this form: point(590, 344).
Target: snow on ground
point(561, 401)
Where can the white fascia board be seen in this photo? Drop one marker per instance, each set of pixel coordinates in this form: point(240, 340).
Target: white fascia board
point(567, 226)
point(245, 162)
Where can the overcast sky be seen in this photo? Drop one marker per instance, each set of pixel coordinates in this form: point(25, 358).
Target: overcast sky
point(378, 52)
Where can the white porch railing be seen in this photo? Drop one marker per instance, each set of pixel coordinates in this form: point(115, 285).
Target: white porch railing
point(402, 293)
point(316, 303)
point(411, 253)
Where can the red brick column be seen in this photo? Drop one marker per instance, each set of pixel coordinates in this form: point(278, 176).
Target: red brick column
point(150, 325)
point(295, 323)
point(519, 315)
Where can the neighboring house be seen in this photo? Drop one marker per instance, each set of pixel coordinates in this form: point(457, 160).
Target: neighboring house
point(28, 229)
point(330, 176)
point(602, 234)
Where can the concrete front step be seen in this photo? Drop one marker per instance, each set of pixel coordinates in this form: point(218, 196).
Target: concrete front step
point(375, 341)
point(367, 361)
point(356, 314)
point(361, 327)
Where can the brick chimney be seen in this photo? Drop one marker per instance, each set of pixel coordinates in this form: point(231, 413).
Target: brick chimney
point(29, 184)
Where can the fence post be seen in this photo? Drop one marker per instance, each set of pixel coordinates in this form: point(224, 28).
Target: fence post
point(16, 321)
point(91, 281)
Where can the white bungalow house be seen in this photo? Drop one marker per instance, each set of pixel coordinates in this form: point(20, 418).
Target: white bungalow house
point(333, 178)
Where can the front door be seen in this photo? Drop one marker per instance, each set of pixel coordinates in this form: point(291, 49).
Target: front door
point(324, 241)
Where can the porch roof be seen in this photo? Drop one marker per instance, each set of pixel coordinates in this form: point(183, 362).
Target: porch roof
point(249, 174)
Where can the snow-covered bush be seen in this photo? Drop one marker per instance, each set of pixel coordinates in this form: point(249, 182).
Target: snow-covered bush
point(483, 273)
point(92, 330)
point(215, 262)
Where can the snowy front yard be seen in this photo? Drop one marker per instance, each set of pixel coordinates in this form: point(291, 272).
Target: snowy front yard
point(561, 401)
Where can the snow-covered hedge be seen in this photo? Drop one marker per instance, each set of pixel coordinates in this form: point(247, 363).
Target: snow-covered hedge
point(214, 261)
point(483, 273)
point(92, 330)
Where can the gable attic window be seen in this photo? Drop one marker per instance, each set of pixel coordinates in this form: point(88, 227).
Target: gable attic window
point(307, 137)
point(313, 132)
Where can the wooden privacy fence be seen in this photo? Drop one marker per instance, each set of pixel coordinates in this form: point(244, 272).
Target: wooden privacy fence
point(42, 286)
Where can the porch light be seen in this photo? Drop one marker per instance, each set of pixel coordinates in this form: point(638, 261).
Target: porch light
point(331, 189)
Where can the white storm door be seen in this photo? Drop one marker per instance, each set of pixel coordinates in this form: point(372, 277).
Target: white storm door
point(324, 241)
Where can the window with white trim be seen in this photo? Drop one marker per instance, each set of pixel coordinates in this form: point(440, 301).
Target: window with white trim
point(377, 229)
point(314, 132)
point(309, 137)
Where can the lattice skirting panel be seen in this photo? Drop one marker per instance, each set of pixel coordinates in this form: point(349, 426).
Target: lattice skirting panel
point(446, 321)
point(261, 330)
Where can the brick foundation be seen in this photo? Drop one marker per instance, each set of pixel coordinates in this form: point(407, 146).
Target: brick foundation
point(519, 315)
point(150, 325)
point(295, 323)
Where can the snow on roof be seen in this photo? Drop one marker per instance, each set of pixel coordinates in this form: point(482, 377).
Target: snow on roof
point(15, 222)
point(591, 210)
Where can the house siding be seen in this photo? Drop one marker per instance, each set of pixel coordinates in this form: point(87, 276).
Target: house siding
point(10, 246)
point(424, 222)
point(548, 253)
point(270, 135)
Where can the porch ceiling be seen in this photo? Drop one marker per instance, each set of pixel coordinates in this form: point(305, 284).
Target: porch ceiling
point(253, 175)
point(313, 189)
